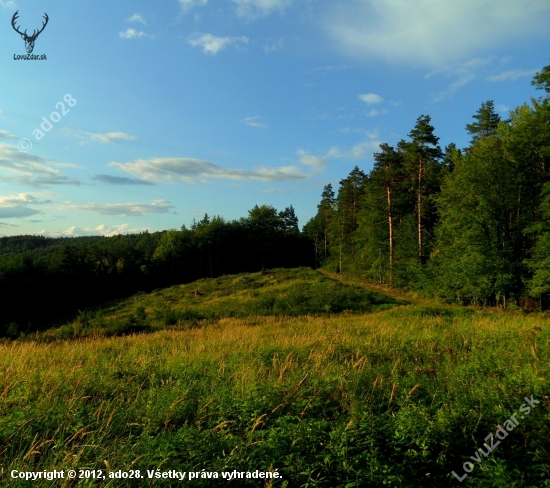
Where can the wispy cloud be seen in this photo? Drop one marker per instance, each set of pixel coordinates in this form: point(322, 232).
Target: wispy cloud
point(111, 137)
point(310, 160)
point(463, 73)
point(273, 46)
point(187, 5)
point(32, 170)
point(254, 122)
point(212, 44)
point(361, 150)
point(136, 18)
point(133, 34)
point(6, 134)
point(502, 108)
point(191, 170)
point(8, 4)
point(432, 32)
point(120, 180)
point(513, 74)
point(107, 138)
point(328, 68)
point(370, 98)
point(374, 112)
point(252, 9)
point(132, 209)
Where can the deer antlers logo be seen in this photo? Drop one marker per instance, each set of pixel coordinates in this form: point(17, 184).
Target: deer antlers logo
point(29, 40)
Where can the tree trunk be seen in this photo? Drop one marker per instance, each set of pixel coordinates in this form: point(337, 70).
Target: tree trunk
point(390, 224)
point(341, 241)
point(419, 205)
point(326, 233)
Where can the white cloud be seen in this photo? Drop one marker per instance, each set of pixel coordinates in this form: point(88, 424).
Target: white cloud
point(100, 230)
point(310, 160)
point(8, 4)
point(187, 5)
point(370, 98)
point(120, 180)
point(432, 32)
point(133, 34)
point(361, 150)
point(24, 199)
point(502, 108)
point(212, 44)
point(513, 74)
point(374, 112)
point(131, 209)
point(107, 138)
point(252, 9)
point(32, 170)
point(136, 18)
point(191, 170)
point(253, 122)
point(6, 134)
point(16, 206)
point(111, 137)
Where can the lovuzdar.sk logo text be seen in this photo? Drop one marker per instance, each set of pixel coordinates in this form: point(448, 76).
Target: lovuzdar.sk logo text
point(29, 39)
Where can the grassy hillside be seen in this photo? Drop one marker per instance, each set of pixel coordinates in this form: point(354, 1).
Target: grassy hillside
point(281, 292)
point(396, 397)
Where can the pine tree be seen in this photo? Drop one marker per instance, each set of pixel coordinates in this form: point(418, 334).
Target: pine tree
point(325, 211)
point(424, 154)
point(348, 206)
point(388, 167)
point(487, 122)
point(289, 220)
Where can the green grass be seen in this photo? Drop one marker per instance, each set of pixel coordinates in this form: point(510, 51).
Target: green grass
point(397, 397)
point(280, 292)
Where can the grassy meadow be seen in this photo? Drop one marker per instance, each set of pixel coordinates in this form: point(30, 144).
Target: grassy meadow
point(331, 384)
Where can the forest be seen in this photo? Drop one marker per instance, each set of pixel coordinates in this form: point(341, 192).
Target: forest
point(45, 280)
point(470, 225)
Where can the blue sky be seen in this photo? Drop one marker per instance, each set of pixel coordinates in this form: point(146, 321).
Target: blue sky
point(186, 107)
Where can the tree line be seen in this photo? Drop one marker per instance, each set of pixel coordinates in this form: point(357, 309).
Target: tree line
point(470, 225)
point(44, 280)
